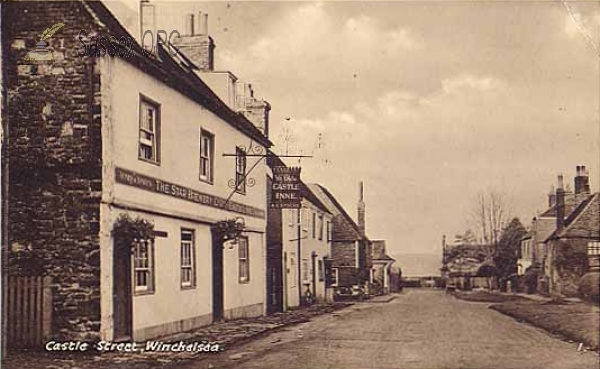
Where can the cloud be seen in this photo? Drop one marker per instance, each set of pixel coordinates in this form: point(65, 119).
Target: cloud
point(309, 37)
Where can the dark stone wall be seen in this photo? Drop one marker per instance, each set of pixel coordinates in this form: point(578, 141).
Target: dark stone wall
point(55, 162)
point(274, 256)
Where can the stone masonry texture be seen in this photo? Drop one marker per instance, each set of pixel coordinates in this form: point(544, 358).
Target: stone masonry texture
point(55, 162)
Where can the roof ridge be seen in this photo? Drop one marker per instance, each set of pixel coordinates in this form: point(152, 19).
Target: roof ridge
point(576, 214)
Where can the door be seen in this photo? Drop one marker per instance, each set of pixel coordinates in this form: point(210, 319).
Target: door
point(122, 296)
point(217, 288)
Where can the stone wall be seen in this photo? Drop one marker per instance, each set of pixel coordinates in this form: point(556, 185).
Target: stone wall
point(54, 152)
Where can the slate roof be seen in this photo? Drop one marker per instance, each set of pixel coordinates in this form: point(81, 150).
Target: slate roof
point(583, 222)
point(177, 73)
point(379, 252)
point(337, 209)
point(571, 203)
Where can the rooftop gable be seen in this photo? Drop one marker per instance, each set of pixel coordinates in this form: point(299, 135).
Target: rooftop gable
point(584, 222)
point(177, 73)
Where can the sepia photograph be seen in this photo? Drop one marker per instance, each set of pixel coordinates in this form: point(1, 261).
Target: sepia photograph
point(408, 184)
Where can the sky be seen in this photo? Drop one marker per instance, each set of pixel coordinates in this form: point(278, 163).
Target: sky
point(428, 102)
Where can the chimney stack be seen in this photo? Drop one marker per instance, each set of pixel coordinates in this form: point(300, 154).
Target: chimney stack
point(257, 111)
point(197, 45)
point(361, 209)
point(147, 23)
point(189, 25)
point(582, 181)
point(560, 204)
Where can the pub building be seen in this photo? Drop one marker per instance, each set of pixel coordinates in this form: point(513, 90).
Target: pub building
point(129, 183)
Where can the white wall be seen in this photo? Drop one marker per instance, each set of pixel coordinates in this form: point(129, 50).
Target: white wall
point(181, 121)
point(308, 245)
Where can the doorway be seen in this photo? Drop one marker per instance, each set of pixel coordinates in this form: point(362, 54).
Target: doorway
point(122, 296)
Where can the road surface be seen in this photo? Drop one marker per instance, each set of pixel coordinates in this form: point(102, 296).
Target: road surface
point(420, 329)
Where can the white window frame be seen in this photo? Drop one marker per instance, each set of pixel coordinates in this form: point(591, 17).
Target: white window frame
point(207, 155)
point(335, 276)
point(188, 258)
point(143, 264)
point(593, 248)
point(321, 270)
point(149, 132)
point(305, 272)
point(243, 260)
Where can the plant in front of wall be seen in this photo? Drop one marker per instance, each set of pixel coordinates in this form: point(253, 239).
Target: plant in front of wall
point(126, 230)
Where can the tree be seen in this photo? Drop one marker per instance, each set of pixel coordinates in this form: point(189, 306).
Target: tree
point(489, 215)
point(507, 249)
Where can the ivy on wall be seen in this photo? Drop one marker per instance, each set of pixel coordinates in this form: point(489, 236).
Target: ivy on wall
point(126, 230)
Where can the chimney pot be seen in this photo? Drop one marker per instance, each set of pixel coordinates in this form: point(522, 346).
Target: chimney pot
point(560, 183)
point(205, 25)
point(582, 180)
point(189, 24)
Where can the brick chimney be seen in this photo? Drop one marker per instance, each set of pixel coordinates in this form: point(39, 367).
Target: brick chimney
point(147, 23)
point(560, 204)
point(257, 111)
point(582, 181)
point(196, 44)
point(361, 209)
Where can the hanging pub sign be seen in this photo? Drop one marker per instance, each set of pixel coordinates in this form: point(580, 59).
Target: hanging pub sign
point(285, 190)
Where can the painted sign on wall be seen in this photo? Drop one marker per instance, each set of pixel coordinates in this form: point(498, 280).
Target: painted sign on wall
point(130, 178)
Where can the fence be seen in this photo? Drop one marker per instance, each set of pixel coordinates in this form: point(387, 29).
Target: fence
point(29, 309)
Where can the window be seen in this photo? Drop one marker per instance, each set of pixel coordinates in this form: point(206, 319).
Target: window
point(149, 140)
point(188, 273)
point(321, 270)
point(207, 142)
point(240, 170)
point(244, 262)
point(329, 232)
point(305, 271)
point(143, 266)
point(314, 225)
point(334, 277)
point(593, 248)
point(320, 227)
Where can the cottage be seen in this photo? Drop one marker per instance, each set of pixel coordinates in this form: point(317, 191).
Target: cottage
point(128, 183)
point(382, 269)
point(350, 248)
point(576, 233)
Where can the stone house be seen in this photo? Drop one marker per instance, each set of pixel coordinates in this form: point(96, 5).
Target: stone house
point(100, 145)
point(351, 260)
point(576, 232)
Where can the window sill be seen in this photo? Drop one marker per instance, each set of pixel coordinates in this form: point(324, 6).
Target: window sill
point(207, 181)
point(142, 293)
point(149, 161)
point(246, 281)
point(186, 288)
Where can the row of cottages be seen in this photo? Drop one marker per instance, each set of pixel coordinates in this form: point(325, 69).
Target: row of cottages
point(351, 270)
point(299, 250)
point(138, 184)
point(125, 179)
point(555, 252)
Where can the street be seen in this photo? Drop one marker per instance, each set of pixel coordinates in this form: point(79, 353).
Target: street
point(419, 329)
